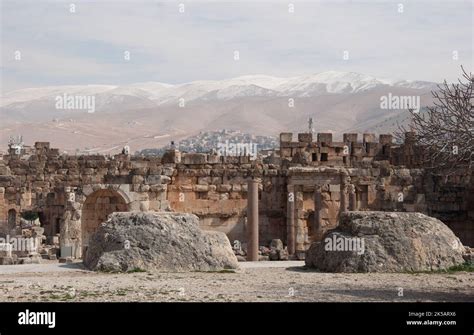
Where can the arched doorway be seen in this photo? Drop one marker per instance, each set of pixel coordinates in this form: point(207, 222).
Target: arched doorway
point(95, 210)
point(11, 219)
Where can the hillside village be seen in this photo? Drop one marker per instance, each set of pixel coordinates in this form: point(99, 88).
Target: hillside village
point(208, 141)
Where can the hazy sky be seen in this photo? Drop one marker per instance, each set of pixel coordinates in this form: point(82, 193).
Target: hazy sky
point(88, 47)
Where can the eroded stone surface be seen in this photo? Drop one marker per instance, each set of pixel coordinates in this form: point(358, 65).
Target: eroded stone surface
point(386, 242)
point(158, 241)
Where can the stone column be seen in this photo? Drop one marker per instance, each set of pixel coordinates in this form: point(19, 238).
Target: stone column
point(318, 206)
point(344, 199)
point(344, 196)
point(71, 227)
point(300, 224)
point(252, 220)
point(352, 198)
point(290, 221)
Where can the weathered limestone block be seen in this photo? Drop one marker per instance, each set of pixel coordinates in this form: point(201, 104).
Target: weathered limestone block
point(203, 172)
point(139, 171)
point(213, 159)
point(213, 196)
point(369, 138)
point(137, 179)
point(182, 179)
point(168, 171)
point(157, 179)
point(224, 196)
point(185, 172)
point(236, 187)
point(216, 180)
point(5, 180)
point(71, 163)
point(204, 180)
point(386, 242)
point(144, 188)
point(40, 184)
point(200, 188)
point(159, 242)
point(155, 170)
point(235, 195)
point(217, 172)
point(144, 206)
point(137, 164)
point(186, 188)
point(158, 187)
point(325, 138)
point(224, 188)
point(305, 137)
point(276, 244)
point(286, 137)
point(350, 137)
point(4, 170)
point(194, 158)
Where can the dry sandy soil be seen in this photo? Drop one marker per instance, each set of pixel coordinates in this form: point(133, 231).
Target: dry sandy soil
point(255, 282)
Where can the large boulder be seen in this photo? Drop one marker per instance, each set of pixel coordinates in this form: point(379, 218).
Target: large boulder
point(165, 242)
point(386, 242)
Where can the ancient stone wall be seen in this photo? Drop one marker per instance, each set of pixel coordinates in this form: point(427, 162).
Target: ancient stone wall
point(302, 191)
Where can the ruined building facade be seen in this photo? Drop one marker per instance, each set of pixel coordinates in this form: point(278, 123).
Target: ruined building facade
point(302, 190)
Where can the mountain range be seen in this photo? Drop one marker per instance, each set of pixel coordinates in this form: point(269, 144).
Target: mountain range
point(150, 114)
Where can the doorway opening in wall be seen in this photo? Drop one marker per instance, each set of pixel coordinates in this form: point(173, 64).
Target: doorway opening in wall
point(311, 226)
point(57, 226)
point(11, 219)
point(97, 207)
point(324, 157)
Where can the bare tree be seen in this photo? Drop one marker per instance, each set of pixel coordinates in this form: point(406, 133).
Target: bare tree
point(445, 132)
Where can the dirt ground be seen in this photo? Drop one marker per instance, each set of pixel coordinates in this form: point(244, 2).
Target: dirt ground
point(254, 282)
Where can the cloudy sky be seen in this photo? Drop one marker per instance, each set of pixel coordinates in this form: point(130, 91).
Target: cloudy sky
point(88, 47)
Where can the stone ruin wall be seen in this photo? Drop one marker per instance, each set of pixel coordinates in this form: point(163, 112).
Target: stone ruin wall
point(73, 194)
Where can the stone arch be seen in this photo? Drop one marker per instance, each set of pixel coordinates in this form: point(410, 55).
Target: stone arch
point(122, 189)
point(97, 206)
point(11, 219)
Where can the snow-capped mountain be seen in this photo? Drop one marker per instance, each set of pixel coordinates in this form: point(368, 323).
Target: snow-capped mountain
point(154, 93)
point(150, 114)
